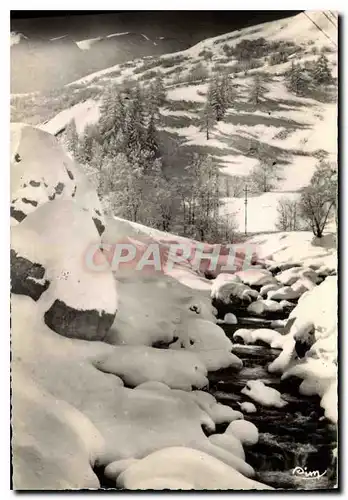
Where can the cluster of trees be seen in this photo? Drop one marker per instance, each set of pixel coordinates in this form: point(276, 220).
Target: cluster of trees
point(220, 97)
point(316, 203)
point(124, 152)
point(300, 78)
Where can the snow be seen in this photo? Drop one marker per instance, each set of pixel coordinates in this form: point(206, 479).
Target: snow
point(226, 286)
point(139, 364)
point(230, 443)
point(265, 396)
point(87, 43)
point(117, 34)
point(127, 404)
point(262, 307)
point(243, 430)
point(187, 93)
point(184, 469)
point(256, 277)
point(142, 421)
point(266, 335)
point(57, 38)
point(261, 210)
point(84, 113)
point(248, 407)
point(298, 247)
point(230, 319)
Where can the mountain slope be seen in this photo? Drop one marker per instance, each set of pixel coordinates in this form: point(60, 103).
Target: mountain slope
point(294, 131)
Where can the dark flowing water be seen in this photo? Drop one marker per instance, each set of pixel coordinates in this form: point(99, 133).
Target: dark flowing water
point(296, 435)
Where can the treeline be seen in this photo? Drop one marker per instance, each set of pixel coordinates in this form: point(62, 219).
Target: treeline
point(302, 78)
point(124, 153)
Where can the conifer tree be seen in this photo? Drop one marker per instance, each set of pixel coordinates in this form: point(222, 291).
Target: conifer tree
point(72, 138)
point(207, 118)
point(112, 113)
point(151, 139)
point(298, 80)
point(321, 72)
point(257, 90)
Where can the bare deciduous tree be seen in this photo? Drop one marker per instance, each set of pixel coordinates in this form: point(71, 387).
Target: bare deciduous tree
point(319, 198)
point(288, 215)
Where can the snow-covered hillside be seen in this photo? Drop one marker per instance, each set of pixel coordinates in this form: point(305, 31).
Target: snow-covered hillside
point(293, 130)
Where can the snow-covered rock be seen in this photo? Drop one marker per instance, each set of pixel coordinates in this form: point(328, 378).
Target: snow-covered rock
point(263, 307)
point(284, 293)
point(42, 171)
point(265, 396)
point(256, 277)
point(265, 335)
point(208, 341)
point(269, 288)
point(139, 364)
point(243, 430)
point(248, 407)
point(268, 336)
point(229, 289)
point(244, 335)
point(291, 275)
point(184, 469)
point(230, 319)
point(51, 243)
point(304, 337)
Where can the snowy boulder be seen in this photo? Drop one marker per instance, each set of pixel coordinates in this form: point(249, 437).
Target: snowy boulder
point(182, 468)
point(304, 336)
point(41, 171)
point(243, 430)
point(269, 288)
point(265, 396)
point(136, 365)
point(267, 336)
point(256, 277)
point(80, 301)
point(243, 335)
point(228, 290)
point(208, 341)
point(248, 407)
point(290, 276)
point(218, 412)
point(285, 293)
point(264, 308)
point(230, 319)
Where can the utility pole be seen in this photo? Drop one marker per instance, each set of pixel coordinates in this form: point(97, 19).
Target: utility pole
point(246, 208)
